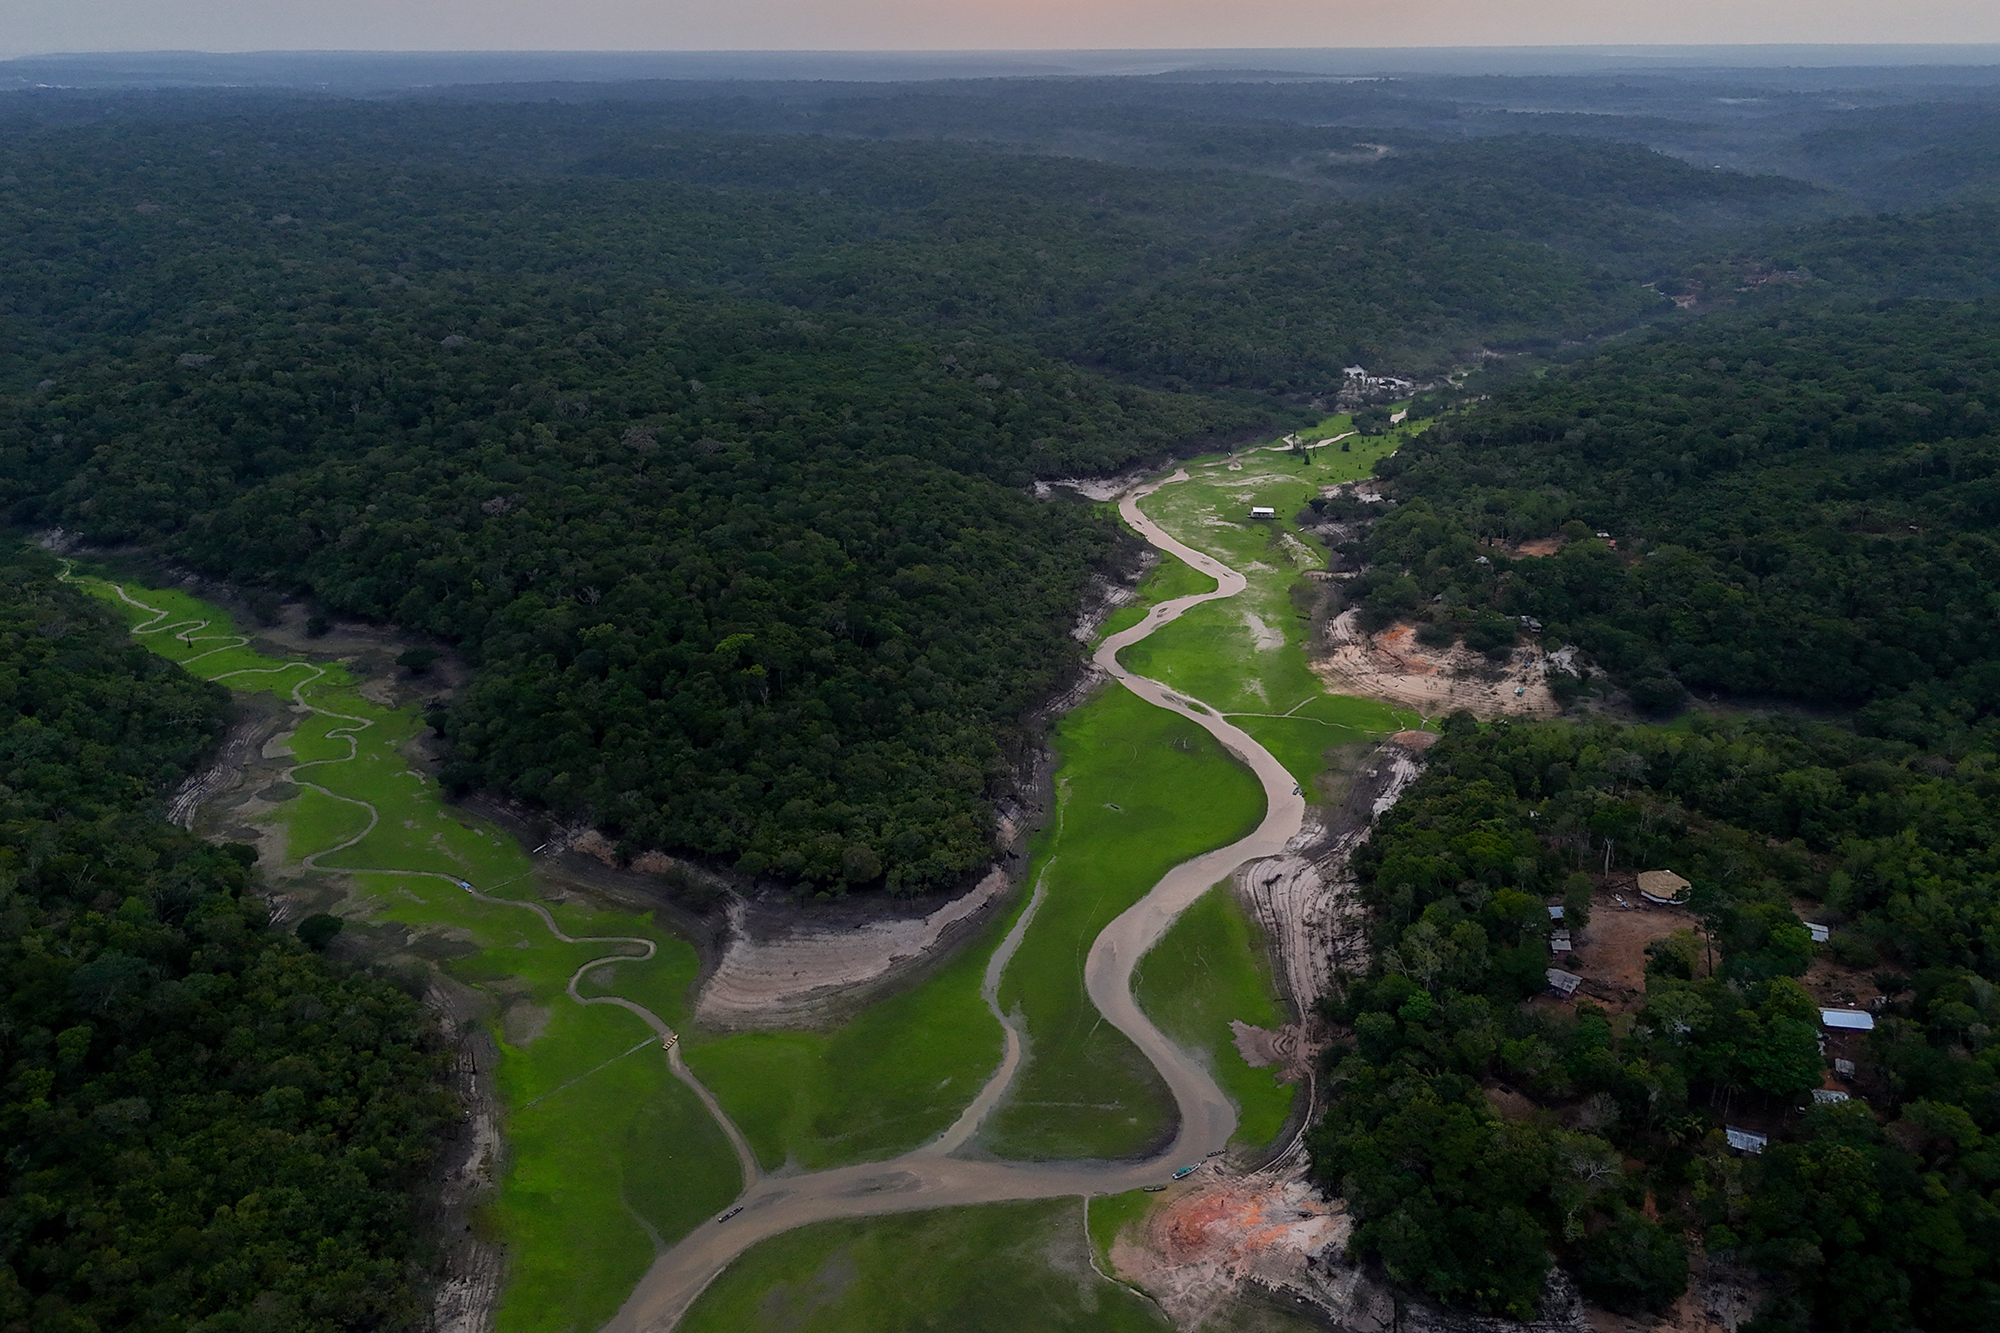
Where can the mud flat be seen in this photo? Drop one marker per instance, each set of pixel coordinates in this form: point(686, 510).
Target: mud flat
point(812, 970)
point(1305, 898)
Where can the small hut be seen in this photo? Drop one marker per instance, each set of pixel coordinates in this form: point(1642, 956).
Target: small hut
point(1563, 984)
point(1663, 887)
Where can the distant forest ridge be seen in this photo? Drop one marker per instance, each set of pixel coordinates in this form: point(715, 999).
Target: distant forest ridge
point(711, 448)
point(1802, 504)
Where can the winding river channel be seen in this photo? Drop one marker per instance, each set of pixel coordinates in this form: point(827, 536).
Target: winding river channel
point(931, 1176)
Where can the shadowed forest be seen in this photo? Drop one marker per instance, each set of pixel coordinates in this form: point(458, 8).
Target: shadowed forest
point(705, 423)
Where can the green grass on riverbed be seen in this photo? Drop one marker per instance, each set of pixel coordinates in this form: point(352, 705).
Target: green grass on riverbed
point(1171, 578)
point(603, 1143)
point(1246, 655)
point(1210, 968)
point(895, 1076)
point(1112, 1213)
point(998, 1268)
point(607, 1152)
point(1141, 789)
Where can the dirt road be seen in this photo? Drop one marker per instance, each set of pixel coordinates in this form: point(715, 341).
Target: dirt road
point(930, 1177)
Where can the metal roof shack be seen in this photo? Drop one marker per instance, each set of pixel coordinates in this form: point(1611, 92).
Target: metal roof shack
point(1663, 887)
point(1263, 511)
point(1828, 1096)
point(1559, 942)
point(1555, 911)
point(1746, 1140)
point(1563, 983)
point(1820, 934)
point(1847, 1020)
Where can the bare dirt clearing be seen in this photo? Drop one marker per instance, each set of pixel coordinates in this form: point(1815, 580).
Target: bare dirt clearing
point(1393, 667)
point(1611, 955)
point(1198, 1252)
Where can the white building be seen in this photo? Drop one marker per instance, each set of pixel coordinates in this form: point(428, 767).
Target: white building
point(1746, 1140)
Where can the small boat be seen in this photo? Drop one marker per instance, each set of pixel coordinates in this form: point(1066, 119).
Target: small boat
point(1218, 1152)
point(1187, 1171)
point(668, 1042)
point(1153, 1189)
point(731, 1213)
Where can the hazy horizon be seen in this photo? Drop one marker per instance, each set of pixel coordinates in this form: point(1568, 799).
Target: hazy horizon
point(1819, 64)
point(47, 27)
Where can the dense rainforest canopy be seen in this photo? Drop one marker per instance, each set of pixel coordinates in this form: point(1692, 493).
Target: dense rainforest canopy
point(205, 1126)
point(1801, 503)
point(711, 451)
point(1877, 1215)
point(704, 423)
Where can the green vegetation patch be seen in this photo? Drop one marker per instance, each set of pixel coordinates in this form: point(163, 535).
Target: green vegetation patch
point(579, 1212)
point(1110, 1215)
point(1171, 578)
point(1305, 744)
point(1140, 790)
point(1210, 968)
point(887, 1081)
point(1246, 655)
point(1001, 1268)
point(602, 1167)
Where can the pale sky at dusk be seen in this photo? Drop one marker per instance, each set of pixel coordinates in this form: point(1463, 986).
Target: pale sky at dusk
point(42, 26)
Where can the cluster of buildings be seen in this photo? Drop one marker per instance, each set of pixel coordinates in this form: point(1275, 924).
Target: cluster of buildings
point(1358, 377)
